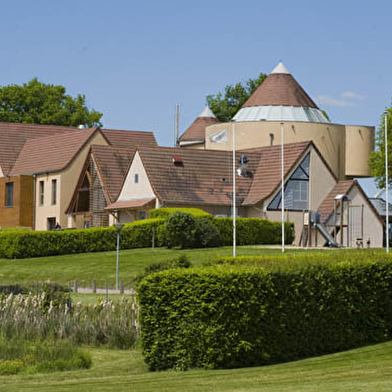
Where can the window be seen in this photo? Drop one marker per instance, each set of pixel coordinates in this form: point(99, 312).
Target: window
point(142, 215)
point(136, 178)
point(9, 194)
point(41, 193)
point(54, 192)
point(296, 190)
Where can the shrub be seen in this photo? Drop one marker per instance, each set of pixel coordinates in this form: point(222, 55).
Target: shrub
point(23, 244)
point(253, 231)
point(178, 262)
point(206, 234)
point(166, 212)
point(244, 315)
point(180, 230)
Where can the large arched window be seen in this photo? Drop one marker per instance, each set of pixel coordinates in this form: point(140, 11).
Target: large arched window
point(296, 190)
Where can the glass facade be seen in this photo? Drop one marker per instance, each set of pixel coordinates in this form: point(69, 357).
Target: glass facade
point(296, 190)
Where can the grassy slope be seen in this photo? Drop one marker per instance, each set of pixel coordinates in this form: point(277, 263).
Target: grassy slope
point(367, 369)
point(101, 266)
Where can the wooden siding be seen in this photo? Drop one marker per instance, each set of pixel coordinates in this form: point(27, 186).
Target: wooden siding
point(21, 212)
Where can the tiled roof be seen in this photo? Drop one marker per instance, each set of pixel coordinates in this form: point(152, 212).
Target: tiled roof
point(268, 174)
point(280, 89)
point(327, 206)
point(197, 130)
point(113, 164)
point(130, 139)
point(203, 177)
point(135, 203)
point(51, 153)
point(14, 135)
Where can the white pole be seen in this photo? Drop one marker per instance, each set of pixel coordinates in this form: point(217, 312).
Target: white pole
point(386, 186)
point(118, 257)
point(234, 193)
point(282, 190)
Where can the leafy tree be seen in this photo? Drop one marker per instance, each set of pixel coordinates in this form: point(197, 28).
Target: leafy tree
point(38, 103)
point(377, 158)
point(226, 105)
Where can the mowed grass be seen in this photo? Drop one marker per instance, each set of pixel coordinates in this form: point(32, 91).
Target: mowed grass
point(366, 369)
point(101, 266)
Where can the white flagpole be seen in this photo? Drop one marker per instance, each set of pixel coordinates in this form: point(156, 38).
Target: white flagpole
point(282, 190)
point(234, 195)
point(386, 187)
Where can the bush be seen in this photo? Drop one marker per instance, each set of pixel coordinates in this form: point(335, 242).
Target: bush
point(253, 231)
point(166, 212)
point(180, 230)
point(23, 244)
point(241, 315)
point(206, 234)
point(178, 262)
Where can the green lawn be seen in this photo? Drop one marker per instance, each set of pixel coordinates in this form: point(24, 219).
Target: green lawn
point(367, 369)
point(102, 266)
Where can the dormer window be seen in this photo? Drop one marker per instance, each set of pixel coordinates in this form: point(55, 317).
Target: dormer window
point(177, 160)
point(136, 178)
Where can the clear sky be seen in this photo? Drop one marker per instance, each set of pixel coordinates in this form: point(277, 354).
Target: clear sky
point(135, 60)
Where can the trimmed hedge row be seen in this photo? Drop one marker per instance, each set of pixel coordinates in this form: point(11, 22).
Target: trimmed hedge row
point(234, 316)
point(253, 231)
point(166, 212)
point(23, 244)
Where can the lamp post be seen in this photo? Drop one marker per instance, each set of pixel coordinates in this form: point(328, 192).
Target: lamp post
point(118, 227)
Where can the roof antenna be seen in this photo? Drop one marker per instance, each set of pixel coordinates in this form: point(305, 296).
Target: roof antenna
point(176, 129)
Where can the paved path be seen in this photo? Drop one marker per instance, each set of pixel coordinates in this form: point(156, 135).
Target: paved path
point(87, 290)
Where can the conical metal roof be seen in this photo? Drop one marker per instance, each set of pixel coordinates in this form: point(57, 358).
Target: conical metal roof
point(197, 131)
point(280, 98)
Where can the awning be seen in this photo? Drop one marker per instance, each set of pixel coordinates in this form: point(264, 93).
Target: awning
point(129, 204)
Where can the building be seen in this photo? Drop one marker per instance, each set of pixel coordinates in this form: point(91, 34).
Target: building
point(40, 166)
point(93, 177)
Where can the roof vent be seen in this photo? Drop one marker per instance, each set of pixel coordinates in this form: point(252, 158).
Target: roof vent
point(177, 160)
point(81, 126)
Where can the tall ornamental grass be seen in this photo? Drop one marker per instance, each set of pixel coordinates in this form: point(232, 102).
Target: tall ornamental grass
point(37, 317)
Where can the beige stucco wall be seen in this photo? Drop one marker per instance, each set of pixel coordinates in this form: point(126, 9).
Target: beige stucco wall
point(141, 190)
point(321, 181)
point(330, 139)
point(359, 144)
point(66, 183)
point(372, 227)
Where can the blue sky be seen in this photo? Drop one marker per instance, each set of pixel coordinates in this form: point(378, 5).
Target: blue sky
point(135, 60)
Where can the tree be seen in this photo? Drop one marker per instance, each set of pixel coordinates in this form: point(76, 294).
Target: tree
point(38, 103)
point(377, 157)
point(227, 105)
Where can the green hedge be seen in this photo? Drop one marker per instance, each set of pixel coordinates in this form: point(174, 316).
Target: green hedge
point(23, 244)
point(253, 231)
point(166, 212)
point(233, 316)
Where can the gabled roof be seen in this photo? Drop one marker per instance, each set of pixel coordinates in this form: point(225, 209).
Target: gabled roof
point(13, 136)
point(51, 153)
point(195, 176)
point(268, 174)
point(326, 208)
point(280, 89)
point(130, 139)
point(112, 163)
point(197, 131)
